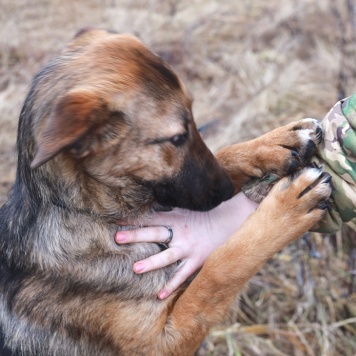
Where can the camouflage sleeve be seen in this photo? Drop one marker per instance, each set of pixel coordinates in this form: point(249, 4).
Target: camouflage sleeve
point(337, 155)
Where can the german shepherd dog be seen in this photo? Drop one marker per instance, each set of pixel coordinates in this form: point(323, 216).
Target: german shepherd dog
point(106, 134)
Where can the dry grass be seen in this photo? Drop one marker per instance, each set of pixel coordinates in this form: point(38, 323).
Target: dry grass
point(251, 66)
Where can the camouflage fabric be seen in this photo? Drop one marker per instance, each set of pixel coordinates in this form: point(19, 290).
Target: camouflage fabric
point(257, 189)
point(337, 155)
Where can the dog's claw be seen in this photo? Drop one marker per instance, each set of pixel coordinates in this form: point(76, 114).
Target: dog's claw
point(318, 134)
point(327, 178)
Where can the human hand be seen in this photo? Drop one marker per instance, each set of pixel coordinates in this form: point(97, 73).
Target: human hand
point(195, 236)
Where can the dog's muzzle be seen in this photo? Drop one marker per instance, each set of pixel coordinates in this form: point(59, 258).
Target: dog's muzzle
point(199, 188)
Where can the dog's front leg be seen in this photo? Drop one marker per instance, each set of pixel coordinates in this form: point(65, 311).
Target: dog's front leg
point(280, 151)
point(292, 207)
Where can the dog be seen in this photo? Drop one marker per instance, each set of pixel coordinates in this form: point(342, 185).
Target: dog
point(106, 134)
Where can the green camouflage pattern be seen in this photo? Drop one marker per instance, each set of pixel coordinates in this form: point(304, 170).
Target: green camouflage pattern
point(257, 189)
point(337, 155)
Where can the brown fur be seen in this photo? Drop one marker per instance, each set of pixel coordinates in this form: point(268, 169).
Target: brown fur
point(108, 131)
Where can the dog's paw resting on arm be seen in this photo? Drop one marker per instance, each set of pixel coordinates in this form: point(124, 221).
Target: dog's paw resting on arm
point(279, 152)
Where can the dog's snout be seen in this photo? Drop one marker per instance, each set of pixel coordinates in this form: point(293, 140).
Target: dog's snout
point(201, 185)
point(226, 187)
point(220, 187)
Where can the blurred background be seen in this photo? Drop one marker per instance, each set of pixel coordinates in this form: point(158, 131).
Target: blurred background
point(251, 65)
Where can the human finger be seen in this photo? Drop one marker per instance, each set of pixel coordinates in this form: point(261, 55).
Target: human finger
point(163, 234)
point(160, 260)
point(182, 274)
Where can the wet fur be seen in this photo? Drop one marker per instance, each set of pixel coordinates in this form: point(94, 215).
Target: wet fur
point(95, 147)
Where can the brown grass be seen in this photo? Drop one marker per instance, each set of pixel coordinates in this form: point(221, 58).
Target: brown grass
point(251, 66)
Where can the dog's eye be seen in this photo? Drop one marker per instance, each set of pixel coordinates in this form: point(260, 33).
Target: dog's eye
point(179, 140)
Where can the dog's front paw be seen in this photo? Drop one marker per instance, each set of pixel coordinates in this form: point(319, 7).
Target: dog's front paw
point(281, 152)
point(299, 201)
point(308, 136)
point(289, 147)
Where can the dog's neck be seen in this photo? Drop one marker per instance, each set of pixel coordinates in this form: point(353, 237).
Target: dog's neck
point(36, 210)
point(78, 192)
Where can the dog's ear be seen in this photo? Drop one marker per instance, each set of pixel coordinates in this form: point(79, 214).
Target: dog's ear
point(75, 114)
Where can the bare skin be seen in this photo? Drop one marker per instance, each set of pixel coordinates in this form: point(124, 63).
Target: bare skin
point(196, 235)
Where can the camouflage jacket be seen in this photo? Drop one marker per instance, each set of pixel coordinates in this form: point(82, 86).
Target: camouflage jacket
point(337, 155)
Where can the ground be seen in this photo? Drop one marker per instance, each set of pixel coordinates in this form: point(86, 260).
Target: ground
point(251, 66)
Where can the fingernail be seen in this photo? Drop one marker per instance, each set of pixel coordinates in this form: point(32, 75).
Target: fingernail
point(162, 294)
point(120, 237)
point(138, 267)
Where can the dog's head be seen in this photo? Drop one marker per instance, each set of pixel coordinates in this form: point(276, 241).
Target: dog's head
point(111, 109)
